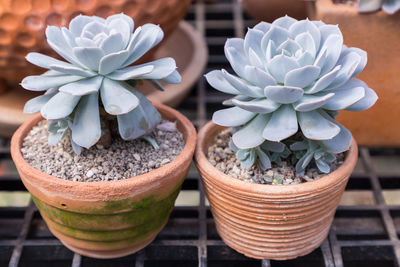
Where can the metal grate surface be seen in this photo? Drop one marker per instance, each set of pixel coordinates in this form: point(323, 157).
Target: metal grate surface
point(365, 231)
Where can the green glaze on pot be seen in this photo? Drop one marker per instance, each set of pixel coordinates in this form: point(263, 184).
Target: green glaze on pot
point(136, 232)
point(139, 218)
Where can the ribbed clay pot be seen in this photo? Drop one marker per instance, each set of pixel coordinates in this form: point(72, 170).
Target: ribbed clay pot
point(271, 221)
point(107, 219)
point(23, 24)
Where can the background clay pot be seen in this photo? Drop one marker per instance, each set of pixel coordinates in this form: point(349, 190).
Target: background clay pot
point(269, 10)
point(270, 221)
point(378, 34)
point(107, 219)
point(23, 23)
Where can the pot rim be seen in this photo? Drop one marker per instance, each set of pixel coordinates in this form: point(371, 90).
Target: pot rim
point(223, 180)
point(187, 129)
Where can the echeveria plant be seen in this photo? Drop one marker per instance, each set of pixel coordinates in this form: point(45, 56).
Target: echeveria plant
point(389, 6)
point(99, 53)
point(291, 77)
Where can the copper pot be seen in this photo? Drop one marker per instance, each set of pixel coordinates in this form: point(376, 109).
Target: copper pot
point(23, 23)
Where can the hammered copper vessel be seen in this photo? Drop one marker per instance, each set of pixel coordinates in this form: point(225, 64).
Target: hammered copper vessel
point(271, 221)
point(23, 23)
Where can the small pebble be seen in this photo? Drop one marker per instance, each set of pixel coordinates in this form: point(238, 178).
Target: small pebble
point(151, 164)
point(89, 174)
point(165, 161)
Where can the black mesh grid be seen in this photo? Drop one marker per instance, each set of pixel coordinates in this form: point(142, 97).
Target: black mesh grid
point(363, 234)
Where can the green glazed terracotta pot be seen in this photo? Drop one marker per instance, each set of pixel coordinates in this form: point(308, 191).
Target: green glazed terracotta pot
point(107, 219)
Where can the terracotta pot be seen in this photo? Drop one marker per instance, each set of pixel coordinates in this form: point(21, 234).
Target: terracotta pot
point(378, 34)
point(23, 23)
point(269, 10)
point(271, 221)
point(107, 219)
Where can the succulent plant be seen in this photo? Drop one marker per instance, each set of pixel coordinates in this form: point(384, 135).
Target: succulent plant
point(389, 6)
point(263, 154)
point(98, 54)
point(291, 73)
point(307, 150)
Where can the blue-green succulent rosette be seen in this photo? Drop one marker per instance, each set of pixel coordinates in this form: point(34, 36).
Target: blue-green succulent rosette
point(291, 76)
point(98, 53)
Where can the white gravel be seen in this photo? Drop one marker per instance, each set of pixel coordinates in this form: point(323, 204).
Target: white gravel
point(123, 159)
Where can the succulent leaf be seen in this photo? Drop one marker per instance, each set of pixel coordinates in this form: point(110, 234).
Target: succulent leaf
point(365, 103)
point(59, 106)
point(251, 134)
point(316, 127)
point(148, 37)
point(312, 102)
point(391, 6)
point(232, 117)
point(98, 52)
point(131, 73)
point(116, 97)
point(35, 104)
point(263, 159)
point(262, 105)
point(259, 77)
point(139, 121)
point(173, 78)
point(44, 82)
point(86, 128)
point(57, 129)
point(283, 94)
point(263, 154)
point(302, 77)
point(282, 124)
point(309, 150)
point(83, 87)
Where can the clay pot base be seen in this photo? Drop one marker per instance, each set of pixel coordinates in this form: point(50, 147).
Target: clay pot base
point(191, 58)
point(107, 254)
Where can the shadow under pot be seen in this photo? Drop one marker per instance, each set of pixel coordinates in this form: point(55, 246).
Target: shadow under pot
point(113, 218)
point(271, 221)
